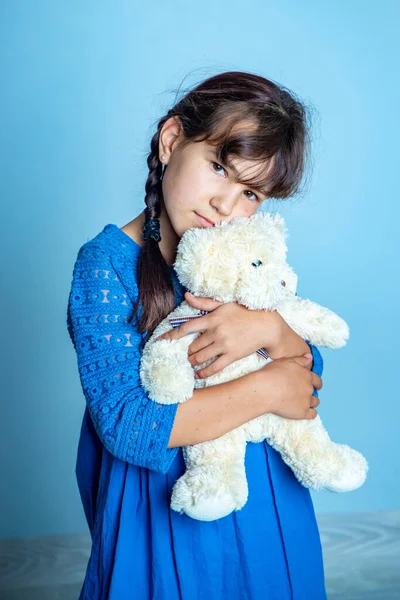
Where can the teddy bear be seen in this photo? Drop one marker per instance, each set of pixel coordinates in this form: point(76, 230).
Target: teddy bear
point(244, 261)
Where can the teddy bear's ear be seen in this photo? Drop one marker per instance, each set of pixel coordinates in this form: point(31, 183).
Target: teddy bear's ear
point(194, 252)
point(280, 224)
point(271, 221)
point(268, 231)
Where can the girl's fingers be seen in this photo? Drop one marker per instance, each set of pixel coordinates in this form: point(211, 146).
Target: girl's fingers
point(208, 304)
point(169, 335)
point(202, 341)
point(192, 326)
point(317, 381)
point(202, 355)
point(217, 365)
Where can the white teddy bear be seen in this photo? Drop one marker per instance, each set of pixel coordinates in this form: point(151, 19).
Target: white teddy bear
point(244, 261)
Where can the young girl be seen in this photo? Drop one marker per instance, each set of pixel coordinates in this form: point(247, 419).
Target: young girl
point(230, 143)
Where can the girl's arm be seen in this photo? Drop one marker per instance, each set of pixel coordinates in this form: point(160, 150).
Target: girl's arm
point(130, 425)
point(291, 344)
point(216, 410)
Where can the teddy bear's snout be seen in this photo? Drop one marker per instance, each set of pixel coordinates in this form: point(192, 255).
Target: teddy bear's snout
point(258, 262)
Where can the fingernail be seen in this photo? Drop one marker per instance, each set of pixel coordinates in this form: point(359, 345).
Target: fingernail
point(308, 355)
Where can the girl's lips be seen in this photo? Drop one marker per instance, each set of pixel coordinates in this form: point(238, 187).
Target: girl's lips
point(204, 221)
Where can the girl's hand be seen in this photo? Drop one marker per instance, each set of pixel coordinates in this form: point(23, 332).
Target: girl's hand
point(231, 331)
point(289, 386)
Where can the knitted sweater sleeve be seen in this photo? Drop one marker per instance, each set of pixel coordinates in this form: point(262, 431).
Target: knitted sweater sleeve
point(130, 425)
point(318, 363)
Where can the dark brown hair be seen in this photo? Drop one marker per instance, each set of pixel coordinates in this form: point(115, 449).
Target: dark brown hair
point(275, 126)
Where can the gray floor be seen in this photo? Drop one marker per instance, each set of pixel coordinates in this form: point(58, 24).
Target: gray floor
point(361, 556)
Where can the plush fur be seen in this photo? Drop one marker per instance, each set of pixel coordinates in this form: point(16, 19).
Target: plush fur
point(244, 261)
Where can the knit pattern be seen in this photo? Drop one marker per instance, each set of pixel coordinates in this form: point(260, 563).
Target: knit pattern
point(108, 345)
point(317, 363)
point(103, 293)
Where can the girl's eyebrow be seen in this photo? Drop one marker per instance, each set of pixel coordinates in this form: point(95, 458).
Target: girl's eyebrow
point(236, 173)
point(238, 180)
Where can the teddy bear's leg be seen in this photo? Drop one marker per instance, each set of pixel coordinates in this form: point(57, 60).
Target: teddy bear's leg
point(214, 483)
point(317, 462)
point(166, 372)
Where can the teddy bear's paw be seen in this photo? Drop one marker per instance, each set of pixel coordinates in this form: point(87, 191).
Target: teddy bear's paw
point(209, 493)
point(332, 467)
point(166, 373)
point(352, 472)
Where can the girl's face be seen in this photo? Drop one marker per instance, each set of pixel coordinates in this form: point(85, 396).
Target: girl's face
point(195, 185)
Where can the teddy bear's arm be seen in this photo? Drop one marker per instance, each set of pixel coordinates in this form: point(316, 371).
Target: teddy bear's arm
point(165, 370)
point(318, 324)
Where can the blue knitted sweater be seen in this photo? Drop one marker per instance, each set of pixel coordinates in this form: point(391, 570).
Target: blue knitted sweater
point(108, 345)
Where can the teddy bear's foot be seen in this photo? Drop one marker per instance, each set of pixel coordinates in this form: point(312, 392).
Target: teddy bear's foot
point(352, 473)
point(210, 493)
point(335, 468)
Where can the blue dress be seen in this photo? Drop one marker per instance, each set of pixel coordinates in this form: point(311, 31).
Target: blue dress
point(141, 548)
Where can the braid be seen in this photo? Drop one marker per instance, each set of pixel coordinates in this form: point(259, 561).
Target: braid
point(156, 289)
point(153, 184)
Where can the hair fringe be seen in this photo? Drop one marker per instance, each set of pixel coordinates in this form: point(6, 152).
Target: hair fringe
point(276, 131)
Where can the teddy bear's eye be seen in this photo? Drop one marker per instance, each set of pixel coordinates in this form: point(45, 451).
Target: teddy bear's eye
point(283, 283)
point(256, 263)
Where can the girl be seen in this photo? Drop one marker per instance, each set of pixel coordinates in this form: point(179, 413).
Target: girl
point(233, 141)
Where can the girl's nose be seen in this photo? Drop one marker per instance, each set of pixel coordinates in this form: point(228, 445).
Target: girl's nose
point(224, 203)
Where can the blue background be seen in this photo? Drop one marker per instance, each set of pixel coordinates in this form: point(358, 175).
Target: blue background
point(83, 85)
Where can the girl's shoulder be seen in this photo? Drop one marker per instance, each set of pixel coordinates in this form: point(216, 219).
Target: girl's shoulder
point(114, 239)
point(108, 254)
point(110, 242)
point(113, 255)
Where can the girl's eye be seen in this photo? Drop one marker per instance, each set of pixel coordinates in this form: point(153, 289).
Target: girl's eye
point(257, 199)
point(218, 165)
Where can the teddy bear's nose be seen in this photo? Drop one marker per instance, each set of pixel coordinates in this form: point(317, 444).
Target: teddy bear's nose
point(283, 283)
point(256, 263)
